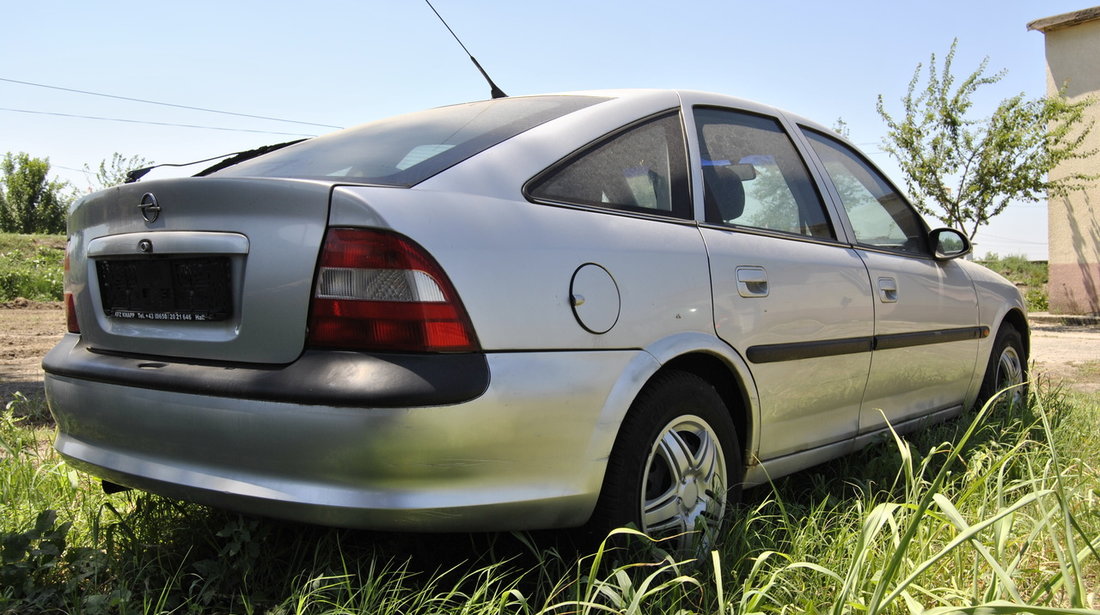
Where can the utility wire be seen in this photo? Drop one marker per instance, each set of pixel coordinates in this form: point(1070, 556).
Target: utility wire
point(118, 119)
point(1000, 238)
point(164, 104)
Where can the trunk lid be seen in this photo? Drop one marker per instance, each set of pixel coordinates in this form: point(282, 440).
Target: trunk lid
point(210, 269)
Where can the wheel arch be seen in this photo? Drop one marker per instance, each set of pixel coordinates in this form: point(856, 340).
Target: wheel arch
point(720, 367)
point(1014, 317)
point(730, 387)
point(1017, 319)
point(696, 353)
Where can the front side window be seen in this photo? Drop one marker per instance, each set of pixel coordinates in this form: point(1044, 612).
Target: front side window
point(754, 177)
point(641, 169)
point(880, 217)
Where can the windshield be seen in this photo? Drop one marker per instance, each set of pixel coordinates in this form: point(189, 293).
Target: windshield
point(407, 149)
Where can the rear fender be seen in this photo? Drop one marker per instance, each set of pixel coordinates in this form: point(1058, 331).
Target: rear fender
point(655, 358)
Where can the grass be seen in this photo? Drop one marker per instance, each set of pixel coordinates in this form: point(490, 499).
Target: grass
point(996, 509)
point(991, 511)
point(31, 267)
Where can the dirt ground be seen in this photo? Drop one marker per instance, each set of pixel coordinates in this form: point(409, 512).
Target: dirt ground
point(1068, 356)
point(27, 332)
point(1065, 355)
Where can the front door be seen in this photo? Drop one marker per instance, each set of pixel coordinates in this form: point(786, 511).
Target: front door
point(926, 311)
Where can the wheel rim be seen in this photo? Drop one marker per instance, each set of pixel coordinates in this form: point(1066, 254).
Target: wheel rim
point(1010, 373)
point(685, 479)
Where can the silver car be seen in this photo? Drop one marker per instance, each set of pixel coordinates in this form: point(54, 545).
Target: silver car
point(533, 312)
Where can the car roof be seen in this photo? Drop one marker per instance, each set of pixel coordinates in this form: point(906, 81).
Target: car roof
point(690, 97)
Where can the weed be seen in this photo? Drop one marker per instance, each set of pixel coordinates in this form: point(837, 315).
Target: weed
point(991, 513)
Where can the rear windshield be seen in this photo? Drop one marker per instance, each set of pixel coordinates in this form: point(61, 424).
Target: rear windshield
point(407, 149)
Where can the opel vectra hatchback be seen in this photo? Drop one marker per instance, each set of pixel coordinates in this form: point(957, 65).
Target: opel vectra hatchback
point(530, 312)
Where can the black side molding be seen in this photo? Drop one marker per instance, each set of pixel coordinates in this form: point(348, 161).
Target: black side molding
point(772, 353)
point(318, 377)
point(921, 338)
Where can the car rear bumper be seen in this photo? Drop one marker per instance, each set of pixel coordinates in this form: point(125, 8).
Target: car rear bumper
point(335, 378)
point(518, 456)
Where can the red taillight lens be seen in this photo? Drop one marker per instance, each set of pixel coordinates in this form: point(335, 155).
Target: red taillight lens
point(377, 290)
point(70, 303)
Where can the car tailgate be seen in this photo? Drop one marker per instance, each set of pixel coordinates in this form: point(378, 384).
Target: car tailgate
point(220, 269)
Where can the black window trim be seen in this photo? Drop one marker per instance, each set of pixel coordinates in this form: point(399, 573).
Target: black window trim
point(834, 194)
point(681, 181)
point(775, 234)
point(807, 164)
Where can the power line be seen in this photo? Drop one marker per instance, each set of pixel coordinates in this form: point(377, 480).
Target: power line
point(164, 104)
point(1012, 239)
point(58, 166)
point(118, 119)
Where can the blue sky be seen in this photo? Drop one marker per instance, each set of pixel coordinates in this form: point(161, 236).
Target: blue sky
point(344, 63)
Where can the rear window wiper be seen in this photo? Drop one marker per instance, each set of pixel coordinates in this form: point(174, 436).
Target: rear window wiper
point(229, 160)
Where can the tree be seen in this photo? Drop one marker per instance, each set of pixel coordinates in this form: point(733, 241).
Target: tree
point(965, 171)
point(29, 201)
point(840, 127)
point(113, 171)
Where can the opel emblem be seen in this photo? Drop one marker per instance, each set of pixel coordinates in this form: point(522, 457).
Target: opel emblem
point(150, 209)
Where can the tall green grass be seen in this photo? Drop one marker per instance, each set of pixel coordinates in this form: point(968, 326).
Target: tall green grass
point(31, 267)
point(995, 512)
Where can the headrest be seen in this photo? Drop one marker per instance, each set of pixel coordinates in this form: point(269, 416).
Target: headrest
point(723, 193)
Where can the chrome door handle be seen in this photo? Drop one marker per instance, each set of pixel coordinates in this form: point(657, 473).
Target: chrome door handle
point(752, 282)
point(888, 290)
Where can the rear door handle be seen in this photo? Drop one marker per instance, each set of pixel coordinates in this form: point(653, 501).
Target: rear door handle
point(888, 290)
point(752, 281)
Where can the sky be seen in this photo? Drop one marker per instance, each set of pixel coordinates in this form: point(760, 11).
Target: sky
point(327, 64)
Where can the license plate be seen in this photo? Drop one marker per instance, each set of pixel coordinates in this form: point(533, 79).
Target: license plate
point(174, 289)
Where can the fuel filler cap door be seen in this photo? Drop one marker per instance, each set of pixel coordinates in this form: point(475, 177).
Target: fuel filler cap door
point(595, 298)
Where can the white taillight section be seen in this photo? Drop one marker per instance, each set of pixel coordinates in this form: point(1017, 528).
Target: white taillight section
point(378, 285)
point(70, 302)
point(378, 290)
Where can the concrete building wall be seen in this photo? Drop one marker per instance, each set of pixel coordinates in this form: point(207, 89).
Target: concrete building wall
point(1073, 63)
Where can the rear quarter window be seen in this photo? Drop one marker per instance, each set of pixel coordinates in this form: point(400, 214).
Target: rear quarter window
point(641, 169)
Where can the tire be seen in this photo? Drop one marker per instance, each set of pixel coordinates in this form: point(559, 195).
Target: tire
point(1007, 368)
point(676, 465)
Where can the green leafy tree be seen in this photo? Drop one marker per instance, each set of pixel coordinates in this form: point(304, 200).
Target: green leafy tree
point(965, 170)
point(29, 201)
point(840, 127)
point(112, 171)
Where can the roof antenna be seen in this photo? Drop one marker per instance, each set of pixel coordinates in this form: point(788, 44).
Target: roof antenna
point(493, 89)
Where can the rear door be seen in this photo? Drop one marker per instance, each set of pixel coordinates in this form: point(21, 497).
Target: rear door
point(788, 296)
point(926, 311)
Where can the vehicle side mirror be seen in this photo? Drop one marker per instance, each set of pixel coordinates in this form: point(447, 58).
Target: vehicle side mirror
point(948, 244)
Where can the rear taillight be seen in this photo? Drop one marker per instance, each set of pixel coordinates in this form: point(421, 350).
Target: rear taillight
point(377, 290)
point(70, 302)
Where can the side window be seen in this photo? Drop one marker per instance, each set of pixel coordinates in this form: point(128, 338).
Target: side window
point(753, 175)
point(880, 216)
point(642, 169)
